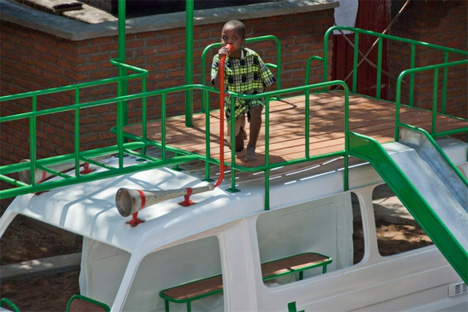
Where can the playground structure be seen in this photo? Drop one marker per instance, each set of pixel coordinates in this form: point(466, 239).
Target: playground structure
point(411, 127)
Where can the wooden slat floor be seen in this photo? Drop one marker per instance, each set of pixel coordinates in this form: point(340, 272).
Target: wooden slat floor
point(287, 138)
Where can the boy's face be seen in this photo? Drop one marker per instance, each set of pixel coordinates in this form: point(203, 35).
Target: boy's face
point(231, 35)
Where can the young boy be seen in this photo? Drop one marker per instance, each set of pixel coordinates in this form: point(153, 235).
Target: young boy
point(246, 73)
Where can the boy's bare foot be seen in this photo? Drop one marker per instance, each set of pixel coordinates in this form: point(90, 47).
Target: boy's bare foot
point(250, 156)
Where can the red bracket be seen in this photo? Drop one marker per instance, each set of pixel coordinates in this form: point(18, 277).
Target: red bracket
point(86, 169)
point(135, 220)
point(187, 202)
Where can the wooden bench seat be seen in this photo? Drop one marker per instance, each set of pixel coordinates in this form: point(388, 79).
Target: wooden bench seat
point(80, 303)
point(195, 290)
point(298, 263)
point(191, 291)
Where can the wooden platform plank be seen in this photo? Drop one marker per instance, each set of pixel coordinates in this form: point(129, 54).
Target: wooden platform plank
point(375, 118)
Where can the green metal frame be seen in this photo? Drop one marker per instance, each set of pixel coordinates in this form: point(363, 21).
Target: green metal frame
point(435, 69)
point(292, 307)
point(322, 264)
point(90, 300)
point(267, 166)
point(188, 301)
point(189, 61)
point(9, 303)
point(381, 37)
point(123, 147)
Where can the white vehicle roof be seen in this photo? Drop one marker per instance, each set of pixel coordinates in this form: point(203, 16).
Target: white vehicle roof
point(89, 209)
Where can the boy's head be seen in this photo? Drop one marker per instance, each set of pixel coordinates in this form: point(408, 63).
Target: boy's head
point(236, 26)
point(233, 33)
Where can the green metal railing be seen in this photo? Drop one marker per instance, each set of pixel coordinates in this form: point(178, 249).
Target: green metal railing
point(306, 90)
point(447, 52)
point(435, 69)
point(140, 143)
point(123, 148)
point(267, 96)
point(77, 157)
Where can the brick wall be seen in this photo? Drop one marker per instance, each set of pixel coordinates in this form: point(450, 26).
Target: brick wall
point(33, 60)
point(443, 23)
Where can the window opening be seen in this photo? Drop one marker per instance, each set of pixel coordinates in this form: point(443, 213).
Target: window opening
point(186, 277)
point(397, 231)
point(27, 240)
point(317, 237)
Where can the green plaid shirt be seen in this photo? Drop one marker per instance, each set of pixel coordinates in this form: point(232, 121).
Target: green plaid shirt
point(248, 75)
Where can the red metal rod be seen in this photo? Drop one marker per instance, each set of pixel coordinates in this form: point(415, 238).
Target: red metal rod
point(221, 117)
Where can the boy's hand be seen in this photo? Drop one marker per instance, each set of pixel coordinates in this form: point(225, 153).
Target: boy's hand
point(225, 50)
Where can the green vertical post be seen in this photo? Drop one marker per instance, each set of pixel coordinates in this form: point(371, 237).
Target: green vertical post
point(121, 30)
point(444, 84)
point(434, 101)
point(32, 140)
point(267, 153)
point(122, 85)
point(77, 132)
point(307, 124)
point(346, 156)
point(189, 61)
point(412, 65)
point(121, 51)
point(379, 69)
point(355, 60)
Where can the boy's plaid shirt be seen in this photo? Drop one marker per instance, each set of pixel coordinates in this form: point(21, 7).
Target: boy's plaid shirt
point(248, 75)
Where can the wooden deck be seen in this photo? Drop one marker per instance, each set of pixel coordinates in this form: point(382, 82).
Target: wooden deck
point(287, 127)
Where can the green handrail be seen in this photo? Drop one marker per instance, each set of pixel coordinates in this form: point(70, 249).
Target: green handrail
point(122, 148)
point(306, 158)
point(411, 73)
point(34, 113)
point(413, 44)
point(447, 52)
point(309, 62)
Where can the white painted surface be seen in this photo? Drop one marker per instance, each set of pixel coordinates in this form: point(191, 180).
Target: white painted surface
point(231, 234)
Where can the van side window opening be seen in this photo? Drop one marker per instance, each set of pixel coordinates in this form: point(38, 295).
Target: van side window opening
point(173, 267)
point(323, 227)
point(397, 231)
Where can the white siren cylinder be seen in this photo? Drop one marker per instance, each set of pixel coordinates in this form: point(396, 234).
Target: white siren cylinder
point(41, 175)
point(130, 201)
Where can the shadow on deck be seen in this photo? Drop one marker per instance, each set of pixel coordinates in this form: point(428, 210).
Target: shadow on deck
point(287, 139)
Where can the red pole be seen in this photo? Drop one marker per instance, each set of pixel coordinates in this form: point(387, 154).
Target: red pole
point(221, 117)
